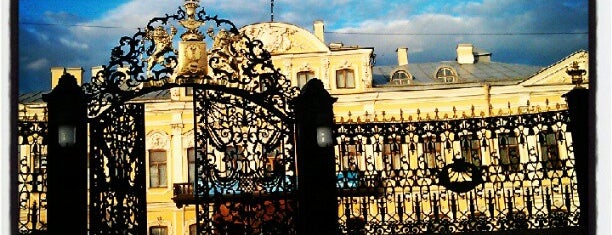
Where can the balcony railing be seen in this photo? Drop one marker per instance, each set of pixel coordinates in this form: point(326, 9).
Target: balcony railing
point(183, 194)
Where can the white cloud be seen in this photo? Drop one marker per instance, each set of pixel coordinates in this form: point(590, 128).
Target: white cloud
point(73, 44)
point(38, 64)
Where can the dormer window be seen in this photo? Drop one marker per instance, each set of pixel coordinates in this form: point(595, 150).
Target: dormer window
point(446, 74)
point(303, 77)
point(345, 78)
point(401, 77)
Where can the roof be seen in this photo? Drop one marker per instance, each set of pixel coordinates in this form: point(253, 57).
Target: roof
point(558, 62)
point(424, 73)
point(32, 97)
point(36, 97)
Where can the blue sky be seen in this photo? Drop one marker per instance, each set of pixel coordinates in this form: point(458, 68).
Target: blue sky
point(71, 33)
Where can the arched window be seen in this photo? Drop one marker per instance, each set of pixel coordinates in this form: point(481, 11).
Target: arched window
point(401, 77)
point(303, 77)
point(345, 78)
point(446, 74)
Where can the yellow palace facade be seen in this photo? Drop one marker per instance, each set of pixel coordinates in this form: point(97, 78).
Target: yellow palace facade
point(471, 86)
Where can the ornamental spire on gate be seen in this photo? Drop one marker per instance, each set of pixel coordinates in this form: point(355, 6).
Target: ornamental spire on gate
point(188, 48)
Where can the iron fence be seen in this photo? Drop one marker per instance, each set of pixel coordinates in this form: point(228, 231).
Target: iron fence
point(391, 175)
point(31, 174)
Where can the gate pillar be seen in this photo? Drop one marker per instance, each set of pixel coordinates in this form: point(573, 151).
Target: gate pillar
point(316, 165)
point(66, 158)
point(579, 110)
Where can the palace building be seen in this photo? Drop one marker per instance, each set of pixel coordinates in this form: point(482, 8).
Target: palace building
point(398, 129)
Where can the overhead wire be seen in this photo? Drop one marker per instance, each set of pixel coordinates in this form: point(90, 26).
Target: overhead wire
point(353, 32)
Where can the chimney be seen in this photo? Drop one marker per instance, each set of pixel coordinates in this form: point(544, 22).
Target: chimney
point(402, 56)
point(57, 72)
point(95, 70)
point(319, 30)
point(465, 53)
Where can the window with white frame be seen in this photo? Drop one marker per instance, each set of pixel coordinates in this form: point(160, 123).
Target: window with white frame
point(345, 78)
point(549, 150)
point(191, 159)
point(157, 168)
point(431, 149)
point(470, 150)
point(158, 230)
point(393, 152)
point(446, 74)
point(303, 77)
point(401, 77)
point(509, 153)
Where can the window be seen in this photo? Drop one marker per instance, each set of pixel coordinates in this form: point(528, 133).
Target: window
point(470, 150)
point(191, 159)
point(193, 229)
point(549, 150)
point(393, 152)
point(400, 77)
point(348, 157)
point(38, 160)
point(431, 149)
point(157, 168)
point(189, 91)
point(446, 74)
point(158, 230)
point(345, 78)
point(304, 77)
point(509, 152)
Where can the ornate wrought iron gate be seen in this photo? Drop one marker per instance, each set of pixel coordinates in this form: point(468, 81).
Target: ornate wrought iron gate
point(117, 171)
point(243, 126)
point(246, 171)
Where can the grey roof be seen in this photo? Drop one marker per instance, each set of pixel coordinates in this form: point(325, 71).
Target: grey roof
point(32, 97)
point(155, 95)
point(36, 97)
point(424, 73)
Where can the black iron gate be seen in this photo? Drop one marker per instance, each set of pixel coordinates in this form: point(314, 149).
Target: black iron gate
point(117, 171)
point(246, 172)
point(243, 126)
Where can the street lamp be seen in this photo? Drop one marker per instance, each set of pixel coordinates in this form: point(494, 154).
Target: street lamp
point(324, 136)
point(66, 135)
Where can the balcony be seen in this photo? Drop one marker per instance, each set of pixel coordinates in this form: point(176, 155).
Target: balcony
point(183, 194)
point(349, 184)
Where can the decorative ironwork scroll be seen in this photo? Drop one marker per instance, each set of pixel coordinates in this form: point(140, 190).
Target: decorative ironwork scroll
point(393, 175)
point(235, 83)
point(32, 176)
point(217, 57)
point(117, 172)
point(245, 166)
